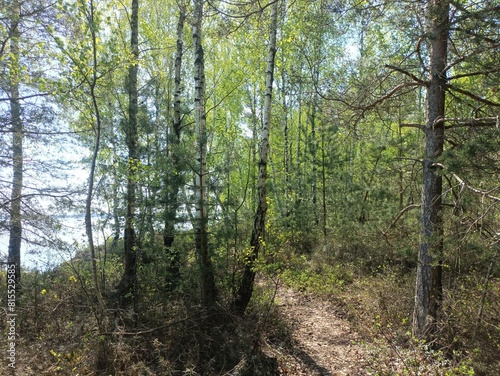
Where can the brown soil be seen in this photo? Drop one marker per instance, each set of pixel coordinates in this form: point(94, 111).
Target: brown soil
point(322, 342)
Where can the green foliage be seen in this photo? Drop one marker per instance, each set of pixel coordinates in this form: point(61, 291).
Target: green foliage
point(328, 282)
point(474, 152)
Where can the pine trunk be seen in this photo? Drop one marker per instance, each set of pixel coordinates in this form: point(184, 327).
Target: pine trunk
point(128, 282)
point(314, 160)
point(428, 295)
point(286, 149)
point(15, 231)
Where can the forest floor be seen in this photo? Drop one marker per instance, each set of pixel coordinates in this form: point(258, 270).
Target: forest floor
point(323, 343)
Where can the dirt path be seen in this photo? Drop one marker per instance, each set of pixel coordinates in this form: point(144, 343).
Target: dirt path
point(323, 343)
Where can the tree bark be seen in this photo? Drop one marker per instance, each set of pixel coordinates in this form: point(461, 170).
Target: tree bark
point(174, 178)
point(245, 290)
point(127, 287)
point(90, 188)
point(286, 149)
point(428, 295)
point(323, 183)
point(15, 230)
point(313, 147)
point(207, 278)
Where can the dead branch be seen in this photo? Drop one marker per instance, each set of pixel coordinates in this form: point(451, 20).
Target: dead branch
point(471, 74)
point(472, 95)
point(389, 94)
point(417, 50)
point(474, 122)
point(401, 213)
point(121, 332)
point(406, 73)
point(463, 184)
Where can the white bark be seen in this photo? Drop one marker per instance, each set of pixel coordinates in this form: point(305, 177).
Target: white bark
point(207, 280)
point(245, 290)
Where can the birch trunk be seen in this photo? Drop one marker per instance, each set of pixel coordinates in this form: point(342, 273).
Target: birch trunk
point(245, 290)
point(207, 279)
point(174, 178)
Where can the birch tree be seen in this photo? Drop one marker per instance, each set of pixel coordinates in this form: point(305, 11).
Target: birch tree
point(207, 279)
point(245, 290)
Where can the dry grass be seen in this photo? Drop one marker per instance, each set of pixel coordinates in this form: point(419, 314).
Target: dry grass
point(58, 334)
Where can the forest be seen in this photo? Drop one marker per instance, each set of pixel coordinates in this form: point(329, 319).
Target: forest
point(186, 186)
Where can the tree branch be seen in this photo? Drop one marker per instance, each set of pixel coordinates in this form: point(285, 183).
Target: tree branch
point(388, 95)
point(26, 97)
point(463, 184)
point(260, 9)
point(401, 213)
point(462, 58)
point(475, 190)
point(471, 74)
point(417, 50)
point(406, 73)
point(474, 122)
point(472, 95)
point(411, 125)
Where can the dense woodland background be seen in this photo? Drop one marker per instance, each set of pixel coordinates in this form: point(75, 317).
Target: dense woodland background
point(174, 160)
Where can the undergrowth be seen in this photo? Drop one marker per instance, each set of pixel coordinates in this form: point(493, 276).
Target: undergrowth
point(58, 333)
point(61, 333)
point(379, 304)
